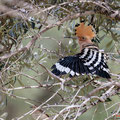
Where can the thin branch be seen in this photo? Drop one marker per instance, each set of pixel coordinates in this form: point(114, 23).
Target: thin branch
point(35, 37)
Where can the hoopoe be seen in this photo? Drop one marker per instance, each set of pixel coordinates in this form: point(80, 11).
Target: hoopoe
point(90, 60)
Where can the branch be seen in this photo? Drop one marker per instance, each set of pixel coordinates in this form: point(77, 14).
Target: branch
point(35, 37)
point(104, 9)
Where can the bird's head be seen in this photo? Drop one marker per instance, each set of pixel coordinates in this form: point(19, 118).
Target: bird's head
point(84, 33)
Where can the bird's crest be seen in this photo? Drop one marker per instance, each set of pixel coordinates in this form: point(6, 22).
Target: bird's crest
point(84, 31)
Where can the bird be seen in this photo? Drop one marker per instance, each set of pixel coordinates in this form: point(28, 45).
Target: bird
point(89, 61)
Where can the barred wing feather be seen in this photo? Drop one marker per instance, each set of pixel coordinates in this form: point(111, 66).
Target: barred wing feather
point(89, 61)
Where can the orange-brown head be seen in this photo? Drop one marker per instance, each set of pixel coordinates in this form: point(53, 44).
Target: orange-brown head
point(85, 34)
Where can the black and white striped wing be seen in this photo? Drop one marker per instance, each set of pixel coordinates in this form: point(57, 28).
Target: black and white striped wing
point(95, 61)
point(89, 61)
point(71, 64)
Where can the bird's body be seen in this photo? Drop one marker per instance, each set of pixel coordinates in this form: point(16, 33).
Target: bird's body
point(90, 60)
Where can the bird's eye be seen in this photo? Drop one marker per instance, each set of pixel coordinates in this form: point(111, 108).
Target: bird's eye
point(83, 38)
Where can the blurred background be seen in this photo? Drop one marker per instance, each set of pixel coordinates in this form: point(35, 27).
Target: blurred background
point(26, 84)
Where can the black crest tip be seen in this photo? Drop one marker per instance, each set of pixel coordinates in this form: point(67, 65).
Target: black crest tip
point(77, 25)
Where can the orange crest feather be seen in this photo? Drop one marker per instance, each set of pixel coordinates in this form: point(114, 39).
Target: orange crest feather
point(84, 31)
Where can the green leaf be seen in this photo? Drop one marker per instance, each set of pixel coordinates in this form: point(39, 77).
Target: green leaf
point(109, 44)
